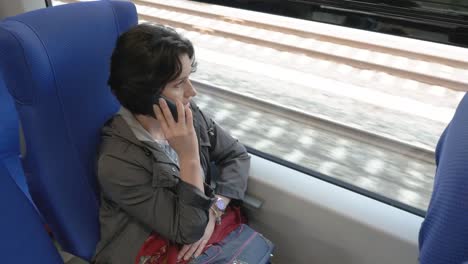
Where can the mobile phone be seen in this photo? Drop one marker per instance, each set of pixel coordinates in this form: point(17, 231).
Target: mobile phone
point(172, 106)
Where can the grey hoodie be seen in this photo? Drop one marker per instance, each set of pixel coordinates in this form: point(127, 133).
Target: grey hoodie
point(141, 191)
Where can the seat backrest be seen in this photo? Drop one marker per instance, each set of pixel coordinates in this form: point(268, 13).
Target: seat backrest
point(55, 63)
point(24, 239)
point(443, 237)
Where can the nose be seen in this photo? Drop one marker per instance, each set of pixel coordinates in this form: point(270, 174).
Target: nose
point(190, 90)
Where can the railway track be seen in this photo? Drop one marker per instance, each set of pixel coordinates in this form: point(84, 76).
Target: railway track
point(414, 63)
point(347, 131)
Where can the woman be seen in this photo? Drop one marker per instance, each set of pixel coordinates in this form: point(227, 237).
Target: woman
point(153, 170)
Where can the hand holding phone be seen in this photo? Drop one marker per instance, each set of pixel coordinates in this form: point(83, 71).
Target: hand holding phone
point(180, 135)
point(182, 138)
point(172, 106)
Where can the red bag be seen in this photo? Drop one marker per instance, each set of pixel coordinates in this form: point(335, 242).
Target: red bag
point(157, 250)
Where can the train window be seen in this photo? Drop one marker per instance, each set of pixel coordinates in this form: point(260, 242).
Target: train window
point(361, 107)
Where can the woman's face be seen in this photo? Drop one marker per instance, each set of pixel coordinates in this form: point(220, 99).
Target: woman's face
point(181, 88)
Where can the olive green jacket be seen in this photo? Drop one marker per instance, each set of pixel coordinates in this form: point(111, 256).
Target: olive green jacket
point(141, 190)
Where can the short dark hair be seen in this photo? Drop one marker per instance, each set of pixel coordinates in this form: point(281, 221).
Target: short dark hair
point(146, 58)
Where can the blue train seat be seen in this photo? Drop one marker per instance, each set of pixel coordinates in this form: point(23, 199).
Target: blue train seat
point(55, 63)
point(24, 239)
point(443, 238)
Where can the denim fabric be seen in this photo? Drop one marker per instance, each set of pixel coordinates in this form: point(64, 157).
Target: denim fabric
point(242, 246)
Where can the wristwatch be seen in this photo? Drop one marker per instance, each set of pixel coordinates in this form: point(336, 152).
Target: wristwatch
point(218, 208)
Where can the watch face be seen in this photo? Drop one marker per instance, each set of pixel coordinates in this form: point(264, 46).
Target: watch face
point(220, 204)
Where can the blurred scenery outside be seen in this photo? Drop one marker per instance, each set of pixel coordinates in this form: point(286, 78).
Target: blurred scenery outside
point(380, 101)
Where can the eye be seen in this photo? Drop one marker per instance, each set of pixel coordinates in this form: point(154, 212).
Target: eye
point(180, 83)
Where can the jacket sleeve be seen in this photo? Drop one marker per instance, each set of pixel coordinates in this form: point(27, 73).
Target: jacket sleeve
point(231, 159)
point(179, 214)
point(444, 233)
